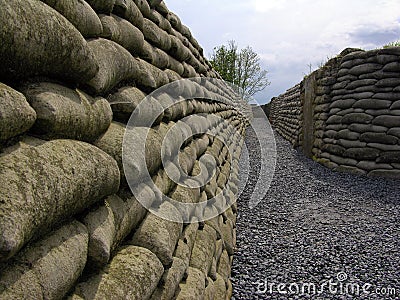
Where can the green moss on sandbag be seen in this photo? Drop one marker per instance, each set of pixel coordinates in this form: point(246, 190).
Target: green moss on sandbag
point(37, 40)
point(43, 184)
point(48, 268)
point(122, 32)
point(80, 14)
point(133, 273)
point(66, 113)
point(16, 116)
point(102, 6)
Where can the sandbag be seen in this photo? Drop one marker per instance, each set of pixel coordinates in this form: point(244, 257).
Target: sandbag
point(156, 35)
point(122, 32)
point(133, 273)
point(66, 113)
point(128, 10)
point(116, 65)
point(158, 234)
point(49, 182)
point(80, 14)
point(102, 6)
point(48, 268)
point(16, 114)
point(46, 44)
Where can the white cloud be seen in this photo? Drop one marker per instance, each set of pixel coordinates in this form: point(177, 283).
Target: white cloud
point(290, 34)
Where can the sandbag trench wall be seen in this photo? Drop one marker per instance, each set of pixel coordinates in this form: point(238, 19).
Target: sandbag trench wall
point(71, 74)
point(350, 113)
point(284, 114)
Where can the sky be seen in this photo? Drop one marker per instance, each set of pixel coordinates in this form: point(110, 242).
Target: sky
point(291, 37)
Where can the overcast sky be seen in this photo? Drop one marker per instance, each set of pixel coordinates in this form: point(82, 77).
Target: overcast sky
point(290, 35)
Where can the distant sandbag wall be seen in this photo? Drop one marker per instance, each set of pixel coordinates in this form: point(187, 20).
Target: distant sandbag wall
point(351, 116)
point(72, 74)
point(284, 114)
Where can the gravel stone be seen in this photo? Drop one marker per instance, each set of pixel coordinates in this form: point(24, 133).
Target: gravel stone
point(313, 224)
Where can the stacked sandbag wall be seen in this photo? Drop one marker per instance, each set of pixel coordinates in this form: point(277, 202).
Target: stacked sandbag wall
point(73, 224)
point(350, 113)
point(284, 114)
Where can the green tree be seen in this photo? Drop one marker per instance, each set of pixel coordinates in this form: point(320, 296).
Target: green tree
point(240, 67)
point(392, 44)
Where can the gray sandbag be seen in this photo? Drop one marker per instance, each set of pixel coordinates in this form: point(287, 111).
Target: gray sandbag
point(158, 234)
point(102, 6)
point(161, 58)
point(148, 53)
point(176, 66)
point(128, 10)
point(122, 32)
point(48, 268)
point(60, 178)
point(116, 65)
point(80, 14)
point(66, 113)
point(178, 50)
point(156, 35)
point(133, 273)
point(48, 44)
point(175, 21)
point(16, 114)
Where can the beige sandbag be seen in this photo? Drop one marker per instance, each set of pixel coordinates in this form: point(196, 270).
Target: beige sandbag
point(48, 44)
point(16, 114)
point(194, 285)
point(46, 183)
point(122, 32)
point(66, 113)
point(48, 268)
point(133, 273)
point(204, 249)
point(80, 14)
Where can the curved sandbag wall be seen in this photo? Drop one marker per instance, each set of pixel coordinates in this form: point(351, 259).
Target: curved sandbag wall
point(349, 113)
point(78, 217)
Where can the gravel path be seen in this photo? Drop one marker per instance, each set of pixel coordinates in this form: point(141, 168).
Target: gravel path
point(316, 229)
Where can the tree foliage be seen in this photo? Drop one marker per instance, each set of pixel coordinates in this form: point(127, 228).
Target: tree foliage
point(240, 67)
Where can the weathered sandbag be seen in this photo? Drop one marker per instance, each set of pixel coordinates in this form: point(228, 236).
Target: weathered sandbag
point(16, 114)
point(80, 14)
point(170, 280)
point(158, 234)
point(204, 249)
point(156, 35)
point(48, 268)
point(194, 286)
point(60, 178)
point(126, 101)
point(172, 75)
point(176, 66)
point(133, 273)
point(161, 58)
point(150, 76)
point(66, 113)
point(50, 45)
point(122, 32)
point(175, 21)
point(144, 7)
point(116, 65)
point(189, 71)
point(102, 6)
point(128, 10)
point(178, 50)
point(101, 227)
point(141, 156)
